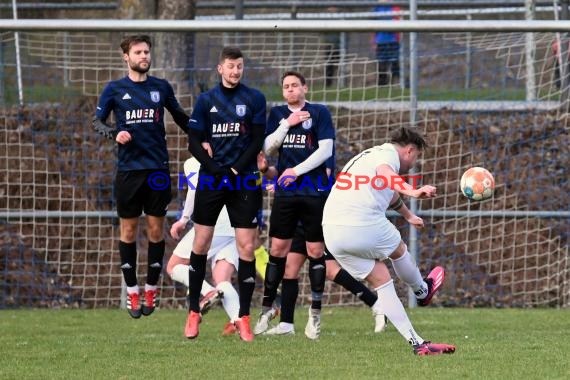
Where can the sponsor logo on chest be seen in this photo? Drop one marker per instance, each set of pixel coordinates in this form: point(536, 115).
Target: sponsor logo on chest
point(226, 129)
point(295, 139)
point(143, 115)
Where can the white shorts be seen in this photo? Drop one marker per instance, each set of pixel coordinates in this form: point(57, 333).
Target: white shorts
point(356, 248)
point(222, 248)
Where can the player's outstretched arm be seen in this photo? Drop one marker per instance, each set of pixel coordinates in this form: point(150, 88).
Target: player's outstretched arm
point(402, 187)
point(426, 191)
point(104, 129)
point(178, 114)
point(398, 205)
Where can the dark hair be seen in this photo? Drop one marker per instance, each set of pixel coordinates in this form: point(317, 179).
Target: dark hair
point(295, 74)
point(230, 52)
point(405, 136)
point(136, 39)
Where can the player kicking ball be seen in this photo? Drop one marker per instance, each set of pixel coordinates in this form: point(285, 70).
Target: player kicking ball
point(360, 236)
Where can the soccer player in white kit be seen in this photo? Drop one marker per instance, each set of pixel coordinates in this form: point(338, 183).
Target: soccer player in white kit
point(360, 236)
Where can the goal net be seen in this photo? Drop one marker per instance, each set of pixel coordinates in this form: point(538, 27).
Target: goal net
point(59, 229)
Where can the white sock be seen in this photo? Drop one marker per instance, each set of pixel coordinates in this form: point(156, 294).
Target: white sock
point(230, 301)
point(407, 270)
point(389, 304)
point(180, 274)
point(149, 287)
point(133, 289)
point(206, 288)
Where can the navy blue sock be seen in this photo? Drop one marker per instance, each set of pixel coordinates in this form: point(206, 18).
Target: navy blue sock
point(273, 275)
point(196, 275)
point(317, 277)
point(344, 279)
point(289, 293)
point(246, 284)
point(154, 266)
point(128, 252)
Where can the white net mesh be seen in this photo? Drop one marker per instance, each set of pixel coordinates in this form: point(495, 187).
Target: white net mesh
point(60, 234)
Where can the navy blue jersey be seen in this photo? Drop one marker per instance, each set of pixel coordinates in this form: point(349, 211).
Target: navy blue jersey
point(301, 141)
point(226, 118)
point(139, 110)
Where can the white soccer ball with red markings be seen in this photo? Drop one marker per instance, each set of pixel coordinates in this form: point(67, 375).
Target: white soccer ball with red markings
point(477, 183)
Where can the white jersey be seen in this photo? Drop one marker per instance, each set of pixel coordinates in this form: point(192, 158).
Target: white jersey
point(223, 225)
point(356, 204)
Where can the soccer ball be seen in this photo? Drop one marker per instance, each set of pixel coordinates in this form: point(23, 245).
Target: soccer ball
point(477, 183)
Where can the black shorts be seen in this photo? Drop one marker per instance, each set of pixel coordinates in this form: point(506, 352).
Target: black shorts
point(287, 212)
point(299, 245)
point(242, 202)
point(142, 190)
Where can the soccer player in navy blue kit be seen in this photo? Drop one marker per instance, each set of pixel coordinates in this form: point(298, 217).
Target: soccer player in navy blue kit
point(231, 118)
point(142, 182)
point(303, 134)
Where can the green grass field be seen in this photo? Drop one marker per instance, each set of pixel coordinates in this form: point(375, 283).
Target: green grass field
point(107, 344)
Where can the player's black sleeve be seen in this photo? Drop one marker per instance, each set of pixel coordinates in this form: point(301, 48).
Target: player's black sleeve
point(180, 118)
point(104, 129)
point(257, 137)
point(195, 138)
point(171, 103)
